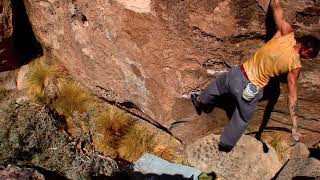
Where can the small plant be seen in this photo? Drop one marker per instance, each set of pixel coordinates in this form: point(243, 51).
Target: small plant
point(38, 75)
point(135, 143)
point(72, 98)
point(111, 125)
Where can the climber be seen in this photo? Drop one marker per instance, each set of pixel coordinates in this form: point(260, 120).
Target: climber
point(246, 82)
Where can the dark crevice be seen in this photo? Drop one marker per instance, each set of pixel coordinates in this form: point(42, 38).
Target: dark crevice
point(278, 173)
point(134, 110)
point(24, 41)
point(248, 36)
point(271, 27)
point(315, 153)
point(198, 32)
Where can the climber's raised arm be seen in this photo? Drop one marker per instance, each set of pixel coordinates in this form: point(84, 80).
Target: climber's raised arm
point(283, 26)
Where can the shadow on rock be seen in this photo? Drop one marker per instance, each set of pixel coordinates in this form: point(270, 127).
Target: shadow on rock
point(130, 175)
point(22, 46)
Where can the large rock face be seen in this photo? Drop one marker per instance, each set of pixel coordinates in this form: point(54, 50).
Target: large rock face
point(153, 53)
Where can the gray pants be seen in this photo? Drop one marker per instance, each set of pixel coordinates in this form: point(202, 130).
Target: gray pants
point(232, 82)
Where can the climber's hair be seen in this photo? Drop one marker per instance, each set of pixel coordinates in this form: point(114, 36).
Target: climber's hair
point(310, 42)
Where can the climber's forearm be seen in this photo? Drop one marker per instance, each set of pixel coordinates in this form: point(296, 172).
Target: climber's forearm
point(292, 100)
point(282, 25)
point(292, 107)
point(277, 12)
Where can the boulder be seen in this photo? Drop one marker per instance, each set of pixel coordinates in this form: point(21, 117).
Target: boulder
point(246, 161)
point(298, 150)
point(154, 53)
point(300, 168)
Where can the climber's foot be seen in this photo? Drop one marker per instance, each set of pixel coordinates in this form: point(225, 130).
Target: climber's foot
point(197, 104)
point(224, 147)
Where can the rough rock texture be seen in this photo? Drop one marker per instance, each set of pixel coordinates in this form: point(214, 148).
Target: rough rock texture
point(153, 53)
point(299, 150)
point(5, 20)
point(21, 77)
point(300, 168)
point(8, 80)
point(7, 56)
point(14, 172)
point(246, 161)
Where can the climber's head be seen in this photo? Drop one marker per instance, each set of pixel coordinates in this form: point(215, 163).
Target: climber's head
point(309, 46)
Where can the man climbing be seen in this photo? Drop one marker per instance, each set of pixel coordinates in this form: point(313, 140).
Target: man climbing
point(246, 82)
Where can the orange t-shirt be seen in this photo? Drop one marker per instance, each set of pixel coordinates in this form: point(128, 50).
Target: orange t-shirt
point(277, 56)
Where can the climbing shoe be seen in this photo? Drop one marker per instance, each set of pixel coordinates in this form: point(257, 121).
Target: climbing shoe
point(197, 104)
point(224, 147)
point(205, 176)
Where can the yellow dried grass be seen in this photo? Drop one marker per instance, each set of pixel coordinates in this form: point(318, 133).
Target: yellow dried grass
point(111, 125)
point(279, 146)
point(135, 143)
point(39, 73)
point(167, 153)
point(72, 98)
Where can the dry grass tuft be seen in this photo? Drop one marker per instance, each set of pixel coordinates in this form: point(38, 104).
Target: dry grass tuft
point(111, 125)
point(279, 146)
point(167, 153)
point(72, 98)
point(135, 143)
point(39, 73)
point(114, 120)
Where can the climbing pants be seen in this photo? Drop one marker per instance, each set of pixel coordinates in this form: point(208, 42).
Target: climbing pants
point(232, 82)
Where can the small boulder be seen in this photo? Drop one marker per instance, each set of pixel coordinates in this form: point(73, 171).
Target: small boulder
point(300, 168)
point(298, 150)
point(246, 161)
point(15, 172)
point(22, 77)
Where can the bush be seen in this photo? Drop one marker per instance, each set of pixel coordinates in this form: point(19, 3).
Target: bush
point(72, 98)
point(117, 135)
point(29, 135)
point(39, 74)
point(135, 143)
point(111, 125)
